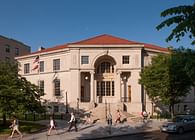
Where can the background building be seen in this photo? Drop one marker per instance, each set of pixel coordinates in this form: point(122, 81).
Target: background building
point(10, 48)
point(91, 73)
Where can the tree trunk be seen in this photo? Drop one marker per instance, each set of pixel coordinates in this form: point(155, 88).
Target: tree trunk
point(4, 119)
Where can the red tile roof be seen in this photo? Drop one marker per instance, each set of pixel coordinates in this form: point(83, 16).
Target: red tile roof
point(103, 40)
point(59, 47)
point(112, 40)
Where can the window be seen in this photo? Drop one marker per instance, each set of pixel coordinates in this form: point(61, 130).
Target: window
point(7, 49)
point(125, 59)
point(57, 87)
point(56, 64)
point(98, 88)
point(41, 64)
point(16, 51)
point(56, 108)
point(84, 59)
point(105, 88)
point(108, 88)
point(105, 67)
point(41, 85)
point(112, 88)
point(26, 68)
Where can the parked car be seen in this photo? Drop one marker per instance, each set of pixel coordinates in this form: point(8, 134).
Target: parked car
point(179, 124)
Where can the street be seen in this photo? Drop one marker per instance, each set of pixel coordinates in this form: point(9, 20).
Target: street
point(155, 135)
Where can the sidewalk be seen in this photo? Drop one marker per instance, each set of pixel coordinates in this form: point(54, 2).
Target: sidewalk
point(91, 131)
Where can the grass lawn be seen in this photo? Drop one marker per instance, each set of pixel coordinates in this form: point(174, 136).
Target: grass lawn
point(24, 127)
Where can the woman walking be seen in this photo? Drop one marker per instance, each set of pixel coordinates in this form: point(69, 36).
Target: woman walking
point(15, 127)
point(52, 126)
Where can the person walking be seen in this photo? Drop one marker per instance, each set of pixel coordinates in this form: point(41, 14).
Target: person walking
point(145, 116)
point(118, 117)
point(15, 127)
point(88, 118)
point(72, 122)
point(52, 126)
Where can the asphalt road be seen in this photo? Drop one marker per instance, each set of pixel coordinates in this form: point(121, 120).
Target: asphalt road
point(156, 135)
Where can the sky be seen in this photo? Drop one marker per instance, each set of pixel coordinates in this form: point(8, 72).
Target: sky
point(48, 23)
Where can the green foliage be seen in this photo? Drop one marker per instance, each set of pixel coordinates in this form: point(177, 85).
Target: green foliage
point(169, 77)
point(16, 93)
point(184, 19)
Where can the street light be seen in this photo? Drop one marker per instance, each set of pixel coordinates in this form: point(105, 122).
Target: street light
point(66, 102)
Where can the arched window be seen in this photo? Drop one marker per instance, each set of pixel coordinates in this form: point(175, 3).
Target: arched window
point(105, 67)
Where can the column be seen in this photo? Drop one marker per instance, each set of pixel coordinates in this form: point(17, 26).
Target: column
point(92, 86)
point(118, 86)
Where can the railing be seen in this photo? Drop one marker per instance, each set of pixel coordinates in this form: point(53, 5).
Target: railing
point(125, 99)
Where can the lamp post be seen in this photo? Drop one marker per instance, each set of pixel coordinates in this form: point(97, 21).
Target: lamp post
point(66, 102)
point(78, 106)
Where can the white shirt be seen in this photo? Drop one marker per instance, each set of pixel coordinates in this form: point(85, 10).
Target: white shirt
point(72, 118)
point(51, 123)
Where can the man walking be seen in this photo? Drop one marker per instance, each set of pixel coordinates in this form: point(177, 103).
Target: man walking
point(72, 122)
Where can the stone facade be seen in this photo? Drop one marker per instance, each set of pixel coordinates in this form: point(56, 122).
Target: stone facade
point(102, 69)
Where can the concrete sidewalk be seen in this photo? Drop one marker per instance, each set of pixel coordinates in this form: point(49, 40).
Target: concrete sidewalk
point(90, 131)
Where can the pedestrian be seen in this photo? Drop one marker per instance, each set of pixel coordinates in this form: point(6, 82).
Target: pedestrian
point(15, 127)
point(109, 119)
point(52, 126)
point(118, 117)
point(145, 116)
point(88, 119)
point(73, 122)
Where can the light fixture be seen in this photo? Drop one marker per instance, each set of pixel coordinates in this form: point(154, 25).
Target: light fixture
point(86, 77)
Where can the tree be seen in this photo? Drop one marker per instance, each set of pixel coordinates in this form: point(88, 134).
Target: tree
point(184, 19)
point(166, 79)
point(16, 93)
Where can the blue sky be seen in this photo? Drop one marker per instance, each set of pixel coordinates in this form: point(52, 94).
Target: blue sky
point(49, 23)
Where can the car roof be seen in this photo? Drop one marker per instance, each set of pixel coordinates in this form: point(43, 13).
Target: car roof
point(185, 116)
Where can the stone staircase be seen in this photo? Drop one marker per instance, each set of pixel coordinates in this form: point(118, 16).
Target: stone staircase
point(101, 110)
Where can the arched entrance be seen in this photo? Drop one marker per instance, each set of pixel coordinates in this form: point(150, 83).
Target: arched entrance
point(105, 78)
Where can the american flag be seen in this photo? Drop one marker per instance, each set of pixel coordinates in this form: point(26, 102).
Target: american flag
point(35, 63)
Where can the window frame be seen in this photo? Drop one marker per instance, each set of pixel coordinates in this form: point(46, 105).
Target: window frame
point(7, 49)
point(84, 59)
point(41, 66)
point(57, 87)
point(125, 59)
point(17, 51)
point(26, 68)
point(42, 85)
point(56, 64)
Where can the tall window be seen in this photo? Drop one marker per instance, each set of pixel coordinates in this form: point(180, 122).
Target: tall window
point(16, 51)
point(41, 85)
point(105, 88)
point(126, 59)
point(26, 68)
point(56, 64)
point(41, 64)
point(57, 87)
point(84, 59)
